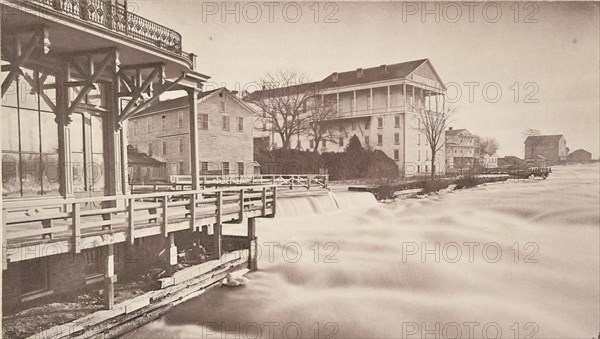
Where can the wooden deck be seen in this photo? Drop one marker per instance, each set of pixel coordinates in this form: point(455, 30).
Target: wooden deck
point(43, 227)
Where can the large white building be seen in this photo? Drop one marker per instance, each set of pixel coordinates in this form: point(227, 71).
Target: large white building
point(380, 105)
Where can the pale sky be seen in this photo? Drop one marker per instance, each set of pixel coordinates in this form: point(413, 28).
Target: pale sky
point(543, 55)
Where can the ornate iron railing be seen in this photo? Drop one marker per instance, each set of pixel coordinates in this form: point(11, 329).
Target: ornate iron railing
point(116, 19)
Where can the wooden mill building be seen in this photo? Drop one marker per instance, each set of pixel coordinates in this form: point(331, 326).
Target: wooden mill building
point(73, 74)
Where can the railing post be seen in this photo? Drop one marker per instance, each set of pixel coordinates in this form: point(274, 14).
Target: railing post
point(165, 219)
point(76, 227)
point(217, 230)
point(252, 251)
point(308, 179)
point(264, 201)
point(109, 278)
point(4, 242)
point(193, 212)
point(131, 221)
point(274, 205)
point(242, 204)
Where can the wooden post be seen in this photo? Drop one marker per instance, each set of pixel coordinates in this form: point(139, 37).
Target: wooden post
point(131, 221)
point(274, 208)
point(193, 210)
point(242, 204)
point(252, 253)
point(165, 219)
point(218, 232)
point(264, 201)
point(171, 251)
point(109, 278)
point(4, 242)
point(76, 227)
point(194, 163)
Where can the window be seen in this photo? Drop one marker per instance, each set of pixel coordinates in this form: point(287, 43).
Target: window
point(397, 138)
point(226, 122)
point(426, 155)
point(179, 119)
point(150, 149)
point(418, 139)
point(264, 126)
point(341, 141)
point(311, 144)
point(397, 121)
point(240, 168)
point(164, 147)
point(222, 106)
point(368, 125)
point(225, 168)
point(163, 122)
point(180, 145)
point(203, 121)
point(354, 126)
point(149, 124)
point(419, 155)
point(367, 140)
point(94, 262)
point(180, 167)
point(136, 127)
point(380, 122)
point(30, 153)
point(240, 124)
point(204, 166)
point(396, 155)
point(379, 139)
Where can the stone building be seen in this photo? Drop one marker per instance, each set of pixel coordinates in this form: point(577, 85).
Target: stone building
point(225, 134)
point(462, 149)
point(380, 105)
point(552, 147)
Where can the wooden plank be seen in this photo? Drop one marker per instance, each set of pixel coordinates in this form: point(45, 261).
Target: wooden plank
point(264, 201)
point(4, 258)
point(76, 226)
point(165, 216)
point(131, 219)
point(218, 233)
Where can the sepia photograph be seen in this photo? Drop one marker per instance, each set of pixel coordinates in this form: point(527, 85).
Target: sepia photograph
point(300, 169)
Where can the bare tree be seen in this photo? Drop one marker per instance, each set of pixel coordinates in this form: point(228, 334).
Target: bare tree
point(320, 109)
point(283, 101)
point(534, 143)
point(488, 145)
point(433, 124)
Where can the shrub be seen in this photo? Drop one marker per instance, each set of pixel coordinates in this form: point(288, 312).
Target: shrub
point(468, 181)
point(430, 186)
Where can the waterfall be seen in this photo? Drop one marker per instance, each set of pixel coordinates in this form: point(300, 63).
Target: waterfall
point(321, 203)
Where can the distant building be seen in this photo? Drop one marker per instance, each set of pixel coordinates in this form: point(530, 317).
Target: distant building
point(225, 134)
point(579, 155)
point(552, 147)
point(511, 162)
point(379, 105)
point(490, 161)
point(144, 169)
point(462, 149)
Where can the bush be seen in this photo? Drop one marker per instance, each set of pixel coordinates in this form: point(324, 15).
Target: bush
point(468, 181)
point(431, 186)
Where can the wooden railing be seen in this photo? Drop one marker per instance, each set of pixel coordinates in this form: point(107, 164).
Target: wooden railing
point(114, 18)
point(183, 182)
point(127, 217)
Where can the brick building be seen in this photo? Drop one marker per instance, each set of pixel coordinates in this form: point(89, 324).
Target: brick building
point(462, 149)
point(225, 134)
point(552, 147)
point(380, 105)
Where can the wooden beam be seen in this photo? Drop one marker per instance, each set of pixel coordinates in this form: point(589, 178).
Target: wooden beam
point(141, 66)
point(103, 50)
point(90, 82)
point(109, 278)
point(138, 93)
point(36, 89)
point(21, 58)
point(150, 101)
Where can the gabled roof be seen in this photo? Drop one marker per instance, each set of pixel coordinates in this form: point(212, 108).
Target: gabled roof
point(137, 158)
point(455, 132)
point(374, 74)
point(182, 102)
point(581, 150)
point(542, 139)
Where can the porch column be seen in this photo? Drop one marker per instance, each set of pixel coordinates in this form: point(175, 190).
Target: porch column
point(252, 245)
point(444, 103)
point(437, 99)
point(115, 138)
point(64, 132)
point(371, 100)
point(194, 161)
point(109, 278)
point(354, 102)
point(218, 229)
point(337, 102)
point(404, 93)
point(388, 99)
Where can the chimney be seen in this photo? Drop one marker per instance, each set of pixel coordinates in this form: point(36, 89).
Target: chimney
point(359, 72)
point(383, 68)
point(450, 128)
point(334, 77)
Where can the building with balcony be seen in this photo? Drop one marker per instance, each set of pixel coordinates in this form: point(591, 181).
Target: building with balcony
point(225, 131)
point(380, 105)
point(552, 147)
point(462, 149)
point(74, 73)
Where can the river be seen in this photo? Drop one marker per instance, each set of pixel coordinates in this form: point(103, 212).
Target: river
point(504, 260)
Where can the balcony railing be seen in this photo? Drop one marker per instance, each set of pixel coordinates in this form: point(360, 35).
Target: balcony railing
point(115, 18)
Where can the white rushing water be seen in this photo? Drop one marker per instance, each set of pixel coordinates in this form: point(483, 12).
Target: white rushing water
point(505, 260)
